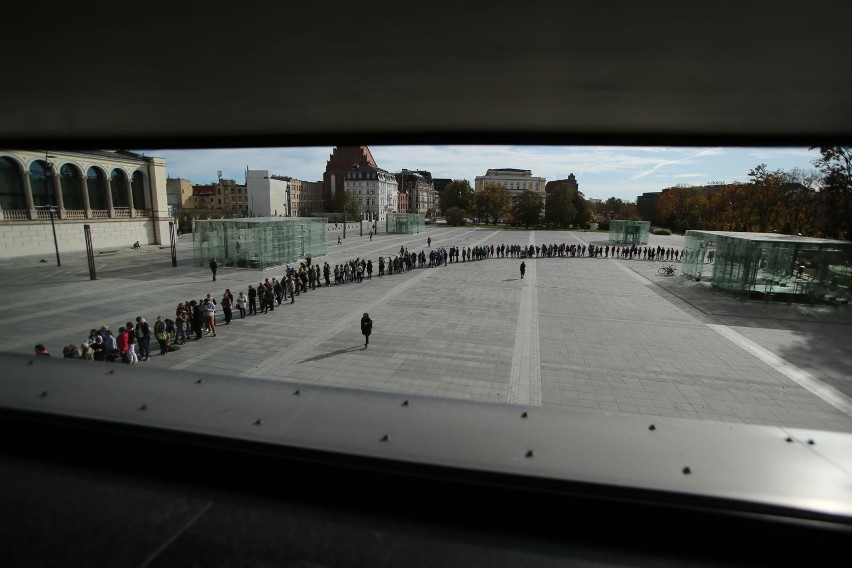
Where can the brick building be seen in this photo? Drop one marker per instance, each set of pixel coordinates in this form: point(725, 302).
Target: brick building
point(339, 163)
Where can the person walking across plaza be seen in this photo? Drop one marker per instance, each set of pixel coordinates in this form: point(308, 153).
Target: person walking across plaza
point(523, 268)
point(366, 328)
point(213, 268)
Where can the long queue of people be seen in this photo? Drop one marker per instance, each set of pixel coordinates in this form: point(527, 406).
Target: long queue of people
point(195, 319)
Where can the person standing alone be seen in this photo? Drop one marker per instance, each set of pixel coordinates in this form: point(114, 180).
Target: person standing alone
point(366, 328)
point(213, 267)
point(523, 268)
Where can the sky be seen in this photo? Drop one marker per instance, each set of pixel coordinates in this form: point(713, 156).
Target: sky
point(624, 172)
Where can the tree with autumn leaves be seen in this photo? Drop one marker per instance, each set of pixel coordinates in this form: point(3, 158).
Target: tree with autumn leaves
point(796, 202)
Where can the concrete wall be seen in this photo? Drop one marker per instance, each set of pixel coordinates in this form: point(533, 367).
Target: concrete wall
point(36, 237)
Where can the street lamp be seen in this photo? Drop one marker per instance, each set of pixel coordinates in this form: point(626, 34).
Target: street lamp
point(51, 208)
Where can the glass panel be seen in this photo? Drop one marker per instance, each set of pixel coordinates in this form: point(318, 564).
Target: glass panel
point(771, 267)
point(258, 243)
point(629, 232)
point(405, 223)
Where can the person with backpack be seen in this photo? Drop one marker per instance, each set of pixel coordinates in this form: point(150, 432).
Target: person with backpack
point(161, 335)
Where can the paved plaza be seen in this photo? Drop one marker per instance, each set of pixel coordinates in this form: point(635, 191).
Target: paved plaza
point(604, 334)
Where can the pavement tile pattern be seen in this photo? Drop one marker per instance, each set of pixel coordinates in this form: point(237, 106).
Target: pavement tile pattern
point(600, 333)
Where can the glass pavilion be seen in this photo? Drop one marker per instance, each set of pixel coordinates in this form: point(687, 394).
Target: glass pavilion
point(259, 242)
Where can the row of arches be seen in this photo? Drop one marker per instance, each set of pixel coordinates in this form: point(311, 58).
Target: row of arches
point(66, 187)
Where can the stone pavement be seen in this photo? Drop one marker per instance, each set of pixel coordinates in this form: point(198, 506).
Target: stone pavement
point(598, 333)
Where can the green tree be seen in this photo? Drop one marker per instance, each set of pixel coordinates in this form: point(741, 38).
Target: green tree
point(343, 202)
point(455, 216)
point(559, 210)
point(457, 193)
point(527, 208)
point(494, 201)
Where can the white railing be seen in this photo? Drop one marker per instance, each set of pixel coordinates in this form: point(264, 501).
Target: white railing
point(15, 215)
point(75, 214)
point(121, 213)
point(100, 213)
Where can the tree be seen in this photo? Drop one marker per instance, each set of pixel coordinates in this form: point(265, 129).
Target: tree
point(835, 194)
point(347, 204)
point(798, 202)
point(527, 208)
point(495, 201)
point(455, 216)
point(559, 210)
point(681, 207)
point(457, 193)
point(764, 197)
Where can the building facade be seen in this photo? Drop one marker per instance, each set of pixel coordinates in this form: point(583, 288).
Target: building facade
point(120, 195)
point(375, 189)
point(516, 181)
point(570, 182)
point(222, 200)
point(419, 192)
point(339, 163)
point(305, 198)
point(271, 195)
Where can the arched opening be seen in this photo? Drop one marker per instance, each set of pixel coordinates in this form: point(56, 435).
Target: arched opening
point(41, 184)
point(118, 181)
point(137, 186)
point(96, 182)
point(11, 186)
point(72, 187)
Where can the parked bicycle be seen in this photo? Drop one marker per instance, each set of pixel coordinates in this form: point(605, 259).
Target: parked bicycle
point(669, 270)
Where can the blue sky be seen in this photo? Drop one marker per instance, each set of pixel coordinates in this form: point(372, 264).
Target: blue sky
point(601, 171)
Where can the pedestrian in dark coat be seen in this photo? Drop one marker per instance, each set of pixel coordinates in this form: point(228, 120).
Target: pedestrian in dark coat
point(366, 328)
point(523, 268)
point(213, 267)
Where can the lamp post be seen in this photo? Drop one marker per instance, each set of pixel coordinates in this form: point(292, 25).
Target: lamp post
point(51, 208)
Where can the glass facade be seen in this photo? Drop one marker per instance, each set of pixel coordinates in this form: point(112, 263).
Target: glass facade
point(629, 232)
point(258, 243)
point(405, 223)
point(770, 266)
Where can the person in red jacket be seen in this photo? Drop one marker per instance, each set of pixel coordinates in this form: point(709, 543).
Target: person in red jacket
point(122, 342)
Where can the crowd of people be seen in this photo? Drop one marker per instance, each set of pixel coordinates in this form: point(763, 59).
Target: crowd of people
point(194, 319)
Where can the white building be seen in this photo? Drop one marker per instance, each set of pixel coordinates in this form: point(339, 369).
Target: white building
point(120, 195)
point(374, 188)
point(270, 195)
point(516, 181)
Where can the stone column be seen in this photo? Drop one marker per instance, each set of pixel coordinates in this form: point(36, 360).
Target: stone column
point(130, 198)
point(109, 198)
point(86, 204)
point(57, 193)
point(28, 194)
